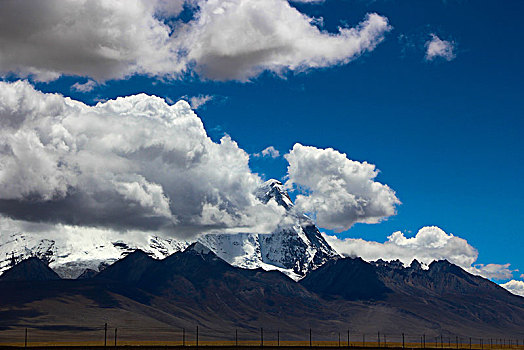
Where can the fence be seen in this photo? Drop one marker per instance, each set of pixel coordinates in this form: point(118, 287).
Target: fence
point(112, 336)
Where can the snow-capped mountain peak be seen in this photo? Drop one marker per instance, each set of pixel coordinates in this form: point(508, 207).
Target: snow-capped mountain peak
point(274, 189)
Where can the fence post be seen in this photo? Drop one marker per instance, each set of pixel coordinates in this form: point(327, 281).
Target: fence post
point(115, 335)
point(25, 339)
point(105, 335)
point(424, 341)
point(403, 343)
point(378, 339)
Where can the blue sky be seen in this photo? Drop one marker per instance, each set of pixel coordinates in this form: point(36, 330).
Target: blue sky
point(445, 134)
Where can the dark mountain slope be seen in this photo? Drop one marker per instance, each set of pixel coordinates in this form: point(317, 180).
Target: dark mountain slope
point(129, 269)
point(31, 269)
point(444, 295)
point(351, 279)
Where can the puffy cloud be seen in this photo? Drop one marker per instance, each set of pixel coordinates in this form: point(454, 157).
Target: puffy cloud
point(270, 151)
point(89, 85)
point(436, 47)
point(337, 191)
point(515, 287)
point(112, 39)
point(200, 100)
point(130, 163)
point(102, 39)
point(429, 244)
point(239, 39)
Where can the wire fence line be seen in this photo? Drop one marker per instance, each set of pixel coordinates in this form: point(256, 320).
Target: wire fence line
point(112, 336)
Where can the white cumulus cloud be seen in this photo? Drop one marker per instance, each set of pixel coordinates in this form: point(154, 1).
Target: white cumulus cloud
point(239, 39)
point(337, 191)
point(131, 163)
point(225, 40)
point(515, 287)
point(102, 39)
point(436, 47)
point(429, 244)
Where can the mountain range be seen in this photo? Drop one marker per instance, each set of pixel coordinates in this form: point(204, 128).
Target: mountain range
point(294, 248)
point(196, 287)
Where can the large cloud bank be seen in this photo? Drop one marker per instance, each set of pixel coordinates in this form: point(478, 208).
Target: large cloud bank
point(337, 191)
point(134, 162)
point(429, 244)
point(137, 163)
point(224, 40)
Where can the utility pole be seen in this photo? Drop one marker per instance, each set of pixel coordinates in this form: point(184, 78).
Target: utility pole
point(378, 339)
point(197, 336)
point(105, 335)
point(236, 337)
point(310, 342)
point(116, 329)
point(339, 339)
point(424, 341)
point(278, 337)
point(261, 336)
point(403, 343)
point(348, 339)
point(183, 337)
point(25, 341)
